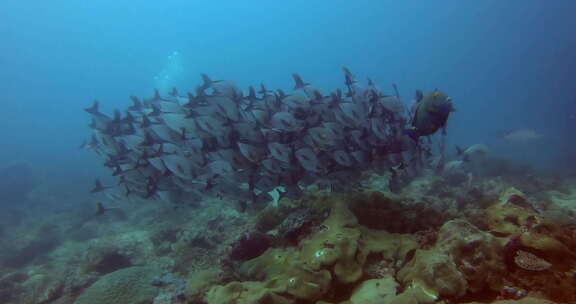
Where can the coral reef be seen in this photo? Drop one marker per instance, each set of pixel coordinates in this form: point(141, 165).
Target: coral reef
point(432, 243)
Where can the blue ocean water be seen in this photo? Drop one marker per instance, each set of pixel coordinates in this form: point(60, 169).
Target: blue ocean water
point(506, 64)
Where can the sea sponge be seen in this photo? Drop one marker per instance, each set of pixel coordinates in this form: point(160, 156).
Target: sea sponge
point(477, 254)
point(272, 263)
point(510, 219)
point(304, 284)
point(283, 270)
point(375, 291)
point(306, 272)
point(200, 281)
point(391, 246)
point(126, 286)
point(335, 243)
point(435, 272)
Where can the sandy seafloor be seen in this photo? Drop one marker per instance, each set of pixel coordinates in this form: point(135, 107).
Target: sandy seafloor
point(507, 236)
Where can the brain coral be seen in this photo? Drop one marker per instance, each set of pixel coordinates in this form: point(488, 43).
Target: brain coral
point(126, 286)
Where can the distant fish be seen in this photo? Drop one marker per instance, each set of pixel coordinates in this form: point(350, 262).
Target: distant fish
point(473, 152)
point(522, 136)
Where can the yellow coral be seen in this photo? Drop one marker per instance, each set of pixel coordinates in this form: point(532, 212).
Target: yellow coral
point(336, 243)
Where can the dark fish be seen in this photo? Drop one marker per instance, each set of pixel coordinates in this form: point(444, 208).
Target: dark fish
point(307, 159)
point(226, 107)
point(211, 125)
point(178, 165)
point(221, 87)
point(252, 153)
point(286, 121)
point(431, 115)
point(343, 158)
point(273, 166)
point(322, 137)
point(280, 151)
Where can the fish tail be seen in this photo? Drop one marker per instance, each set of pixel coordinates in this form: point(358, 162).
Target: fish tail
point(207, 82)
point(299, 82)
point(94, 108)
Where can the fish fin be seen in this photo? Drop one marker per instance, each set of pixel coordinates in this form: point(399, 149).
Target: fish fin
point(117, 171)
point(145, 122)
point(299, 83)
point(156, 111)
point(459, 151)
point(137, 104)
point(370, 82)
point(100, 209)
point(157, 95)
point(128, 191)
point(207, 82)
point(318, 96)
point(97, 186)
point(396, 92)
point(94, 108)
point(83, 145)
point(251, 93)
point(348, 77)
point(419, 95)
point(117, 115)
point(280, 93)
point(263, 90)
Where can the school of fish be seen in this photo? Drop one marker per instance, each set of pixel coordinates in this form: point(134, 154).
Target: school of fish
point(220, 141)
